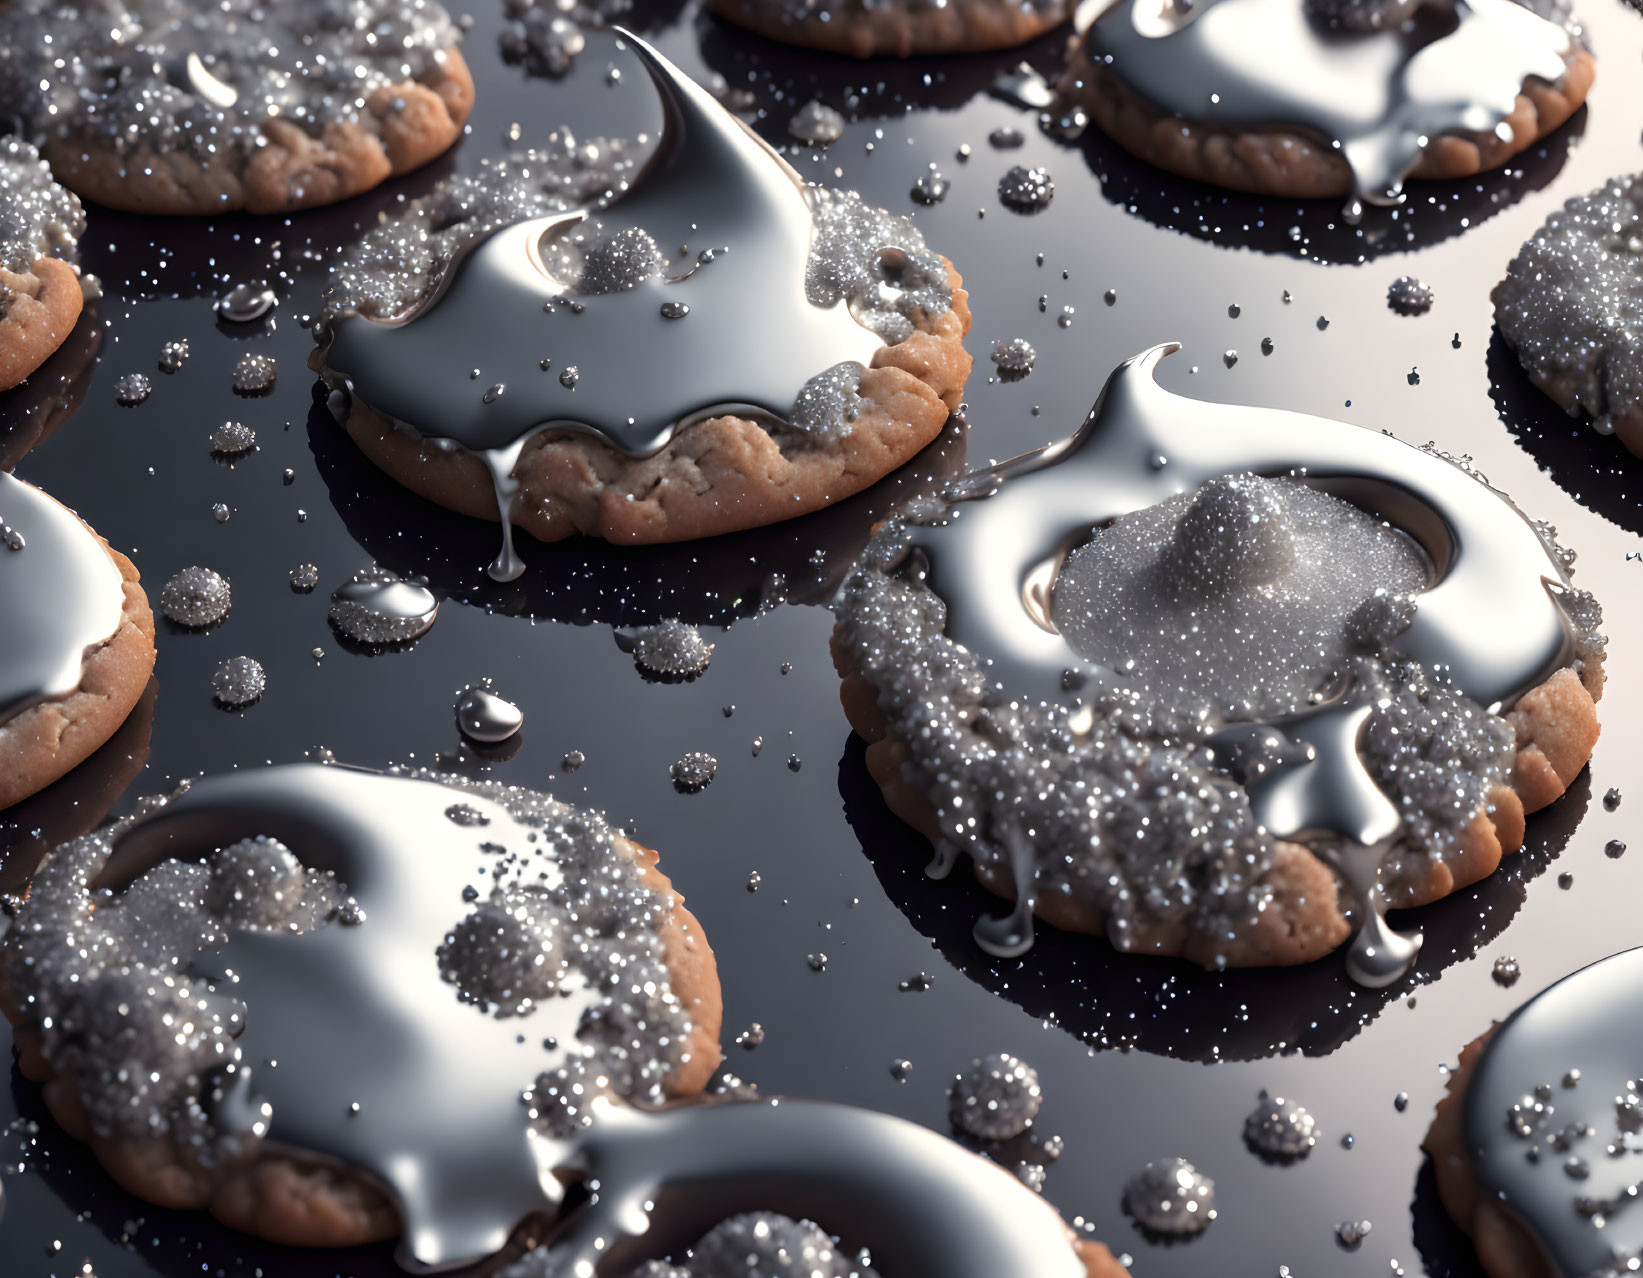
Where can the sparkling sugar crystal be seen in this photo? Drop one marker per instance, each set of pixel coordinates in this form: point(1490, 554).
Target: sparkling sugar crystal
point(238, 681)
point(255, 374)
point(1170, 1197)
point(1278, 1128)
point(995, 1098)
point(196, 597)
point(671, 650)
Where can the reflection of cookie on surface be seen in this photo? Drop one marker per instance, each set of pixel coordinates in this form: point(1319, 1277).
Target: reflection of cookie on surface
point(1268, 685)
point(1571, 309)
point(236, 105)
point(1274, 97)
point(897, 28)
point(416, 951)
point(1529, 1140)
point(488, 336)
point(76, 640)
point(40, 289)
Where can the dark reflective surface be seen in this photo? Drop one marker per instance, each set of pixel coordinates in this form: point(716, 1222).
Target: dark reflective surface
point(838, 874)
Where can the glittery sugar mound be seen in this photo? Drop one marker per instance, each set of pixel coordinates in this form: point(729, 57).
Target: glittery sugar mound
point(506, 955)
point(771, 1246)
point(123, 990)
point(399, 262)
point(105, 976)
point(996, 1098)
point(1204, 712)
point(1571, 307)
point(859, 250)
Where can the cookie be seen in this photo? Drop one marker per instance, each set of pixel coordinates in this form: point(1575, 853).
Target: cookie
point(41, 292)
point(175, 108)
point(798, 345)
point(914, 1201)
point(1571, 305)
point(76, 640)
point(896, 28)
point(1345, 98)
point(1158, 688)
point(415, 951)
point(1529, 1140)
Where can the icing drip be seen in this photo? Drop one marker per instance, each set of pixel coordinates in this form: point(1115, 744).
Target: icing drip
point(48, 554)
point(768, 300)
point(406, 999)
point(1554, 1121)
point(414, 950)
point(1375, 96)
point(1378, 737)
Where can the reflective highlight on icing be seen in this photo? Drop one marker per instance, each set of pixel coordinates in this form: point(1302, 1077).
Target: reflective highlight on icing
point(918, 1202)
point(1490, 618)
point(1374, 96)
point(735, 225)
point(1527, 1116)
point(60, 595)
point(380, 1063)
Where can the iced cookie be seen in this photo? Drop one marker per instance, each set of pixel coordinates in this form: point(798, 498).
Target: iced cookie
point(40, 287)
point(896, 28)
point(392, 985)
point(169, 107)
point(1327, 97)
point(1219, 681)
point(695, 1192)
point(796, 345)
point(1535, 1143)
point(76, 640)
point(1571, 307)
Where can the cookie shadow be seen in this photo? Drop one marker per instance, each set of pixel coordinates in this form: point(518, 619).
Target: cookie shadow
point(1168, 1007)
point(238, 246)
point(78, 801)
point(31, 413)
point(1445, 1251)
point(583, 580)
point(783, 77)
point(1596, 470)
point(1314, 229)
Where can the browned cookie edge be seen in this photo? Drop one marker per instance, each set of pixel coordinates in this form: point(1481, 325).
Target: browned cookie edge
point(1504, 1247)
point(303, 1199)
point(1290, 162)
point(719, 476)
point(1556, 728)
point(46, 301)
point(47, 740)
point(404, 126)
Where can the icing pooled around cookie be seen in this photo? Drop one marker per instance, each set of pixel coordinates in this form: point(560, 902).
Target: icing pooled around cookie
point(165, 106)
point(415, 952)
point(1137, 672)
point(1571, 308)
point(508, 310)
point(1362, 86)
